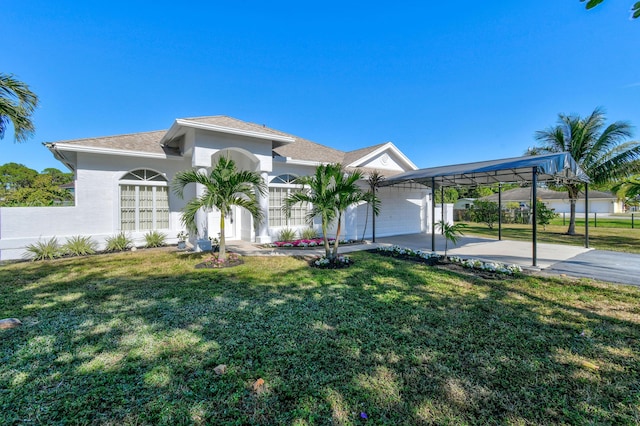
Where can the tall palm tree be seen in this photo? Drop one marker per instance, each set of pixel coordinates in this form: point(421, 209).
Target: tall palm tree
point(17, 104)
point(329, 191)
point(374, 180)
point(225, 187)
point(604, 153)
point(347, 193)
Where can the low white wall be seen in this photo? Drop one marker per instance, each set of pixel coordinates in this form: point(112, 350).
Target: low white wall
point(21, 226)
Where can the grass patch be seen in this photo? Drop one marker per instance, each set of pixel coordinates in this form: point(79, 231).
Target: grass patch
point(615, 239)
point(133, 338)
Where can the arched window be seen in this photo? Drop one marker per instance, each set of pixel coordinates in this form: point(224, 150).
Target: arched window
point(279, 189)
point(144, 201)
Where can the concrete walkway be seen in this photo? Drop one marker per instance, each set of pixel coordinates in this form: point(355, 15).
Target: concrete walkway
point(552, 258)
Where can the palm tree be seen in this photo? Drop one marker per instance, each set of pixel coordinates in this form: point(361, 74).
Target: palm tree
point(347, 193)
point(374, 180)
point(329, 191)
point(17, 104)
point(628, 189)
point(602, 152)
point(451, 233)
point(225, 187)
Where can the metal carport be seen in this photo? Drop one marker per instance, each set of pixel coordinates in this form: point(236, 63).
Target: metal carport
point(559, 168)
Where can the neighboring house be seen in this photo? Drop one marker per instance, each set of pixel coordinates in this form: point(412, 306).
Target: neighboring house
point(463, 203)
point(599, 202)
point(122, 183)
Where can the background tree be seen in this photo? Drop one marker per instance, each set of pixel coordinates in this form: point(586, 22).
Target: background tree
point(17, 104)
point(224, 188)
point(635, 9)
point(602, 152)
point(485, 212)
point(22, 186)
point(544, 214)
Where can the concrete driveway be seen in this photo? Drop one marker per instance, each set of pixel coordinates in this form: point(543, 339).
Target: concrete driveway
point(617, 267)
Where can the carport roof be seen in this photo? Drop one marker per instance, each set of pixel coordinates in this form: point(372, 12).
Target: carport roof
point(559, 167)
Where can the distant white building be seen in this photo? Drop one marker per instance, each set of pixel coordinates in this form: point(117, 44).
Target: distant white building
point(599, 202)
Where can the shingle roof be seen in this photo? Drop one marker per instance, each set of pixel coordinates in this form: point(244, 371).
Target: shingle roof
point(141, 142)
point(351, 156)
point(301, 149)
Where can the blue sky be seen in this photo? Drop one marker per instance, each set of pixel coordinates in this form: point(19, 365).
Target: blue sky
point(447, 82)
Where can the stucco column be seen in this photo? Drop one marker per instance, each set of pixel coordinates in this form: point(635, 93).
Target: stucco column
point(262, 235)
point(201, 240)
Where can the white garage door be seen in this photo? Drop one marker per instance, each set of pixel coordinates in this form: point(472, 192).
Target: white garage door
point(401, 212)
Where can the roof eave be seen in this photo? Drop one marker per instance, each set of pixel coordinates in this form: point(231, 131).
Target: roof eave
point(175, 127)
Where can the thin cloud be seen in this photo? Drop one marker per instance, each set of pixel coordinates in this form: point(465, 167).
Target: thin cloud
point(632, 85)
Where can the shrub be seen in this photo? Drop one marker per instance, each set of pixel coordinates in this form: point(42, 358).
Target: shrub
point(155, 239)
point(486, 212)
point(43, 250)
point(287, 234)
point(119, 242)
point(79, 246)
point(308, 234)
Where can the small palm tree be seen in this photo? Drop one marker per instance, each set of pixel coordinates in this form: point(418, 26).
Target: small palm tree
point(17, 104)
point(329, 191)
point(451, 232)
point(224, 187)
point(374, 180)
point(602, 152)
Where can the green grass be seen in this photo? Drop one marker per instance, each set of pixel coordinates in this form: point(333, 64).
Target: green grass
point(616, 239)
point(599, 222)
point(133, 338)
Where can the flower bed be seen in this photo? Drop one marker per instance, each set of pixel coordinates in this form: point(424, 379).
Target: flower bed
point(214, 262)
point(433, 258)
point(304, 243)
point(326, 263)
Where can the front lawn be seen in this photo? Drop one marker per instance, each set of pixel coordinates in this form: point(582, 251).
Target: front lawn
point(133, 338)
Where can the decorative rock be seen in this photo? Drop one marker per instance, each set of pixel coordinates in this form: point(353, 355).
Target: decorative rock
point(134, 248)
point(220, 369)
point(10, 323)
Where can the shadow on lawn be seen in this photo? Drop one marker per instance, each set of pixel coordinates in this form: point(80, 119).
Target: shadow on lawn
point(401, 342)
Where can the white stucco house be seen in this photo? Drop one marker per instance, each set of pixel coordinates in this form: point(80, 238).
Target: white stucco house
point(122, 183)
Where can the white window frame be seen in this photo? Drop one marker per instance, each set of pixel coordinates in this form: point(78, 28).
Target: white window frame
point(148, 179)
point(285, 181)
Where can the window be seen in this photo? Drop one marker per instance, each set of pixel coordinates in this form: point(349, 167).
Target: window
point(144, 201)
point(279, 189)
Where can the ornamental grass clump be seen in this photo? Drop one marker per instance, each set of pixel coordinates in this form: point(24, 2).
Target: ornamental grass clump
point(308, 234)
point(79, 245)
point(44, 250)
point(287, 234)
point(118, 242)
point(155, 239)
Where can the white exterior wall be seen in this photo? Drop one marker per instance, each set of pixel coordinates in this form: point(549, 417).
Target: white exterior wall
point(97, 209)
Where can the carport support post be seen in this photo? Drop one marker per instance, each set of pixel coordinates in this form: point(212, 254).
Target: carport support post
point(500, 212)
point(433, 214)
point(534, 203)
point(442, 206)
point(586, 215)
